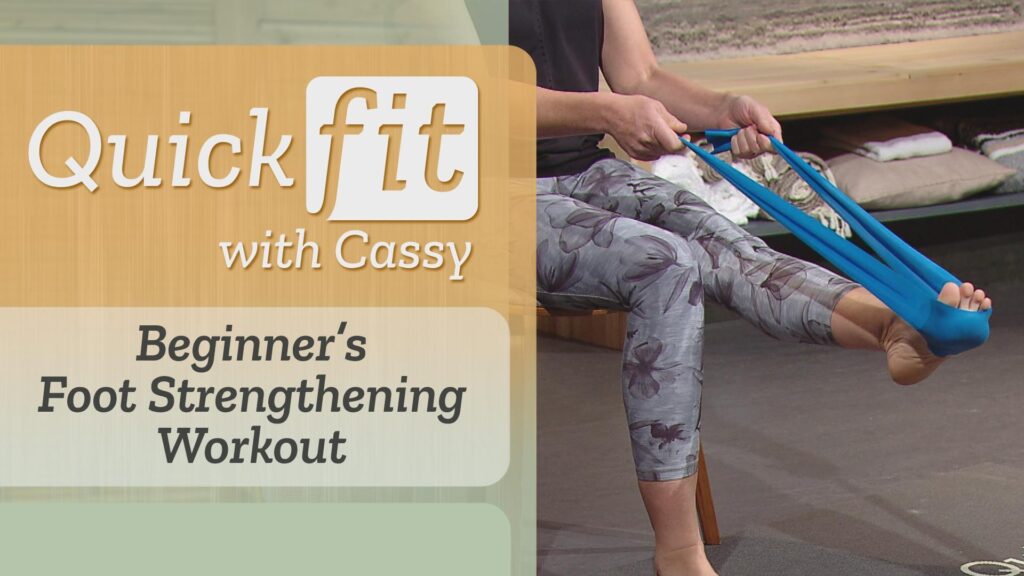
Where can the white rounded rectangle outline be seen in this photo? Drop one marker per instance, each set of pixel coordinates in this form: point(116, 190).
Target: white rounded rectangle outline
point(347, 119)
point(462, 441)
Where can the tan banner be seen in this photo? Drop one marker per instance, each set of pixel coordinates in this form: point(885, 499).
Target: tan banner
point(147, 176)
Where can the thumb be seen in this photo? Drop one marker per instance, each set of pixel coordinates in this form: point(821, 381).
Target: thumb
point(767, 124)
point(670, 131)
point(677, 125)
point(668, 136)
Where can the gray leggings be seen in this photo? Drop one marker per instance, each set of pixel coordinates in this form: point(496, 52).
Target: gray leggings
point(618, 237)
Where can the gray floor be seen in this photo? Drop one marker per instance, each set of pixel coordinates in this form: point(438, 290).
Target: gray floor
point(818, 464)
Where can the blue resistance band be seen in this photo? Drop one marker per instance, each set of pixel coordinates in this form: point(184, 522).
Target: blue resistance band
point(905, 280)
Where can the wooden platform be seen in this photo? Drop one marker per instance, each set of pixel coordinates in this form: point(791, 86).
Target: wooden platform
point(604, 328)
point(833, 82)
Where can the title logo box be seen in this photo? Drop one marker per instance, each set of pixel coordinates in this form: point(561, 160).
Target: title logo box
point(392, 148)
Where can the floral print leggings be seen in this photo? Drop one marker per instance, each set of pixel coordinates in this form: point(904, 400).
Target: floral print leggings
point(615, 236)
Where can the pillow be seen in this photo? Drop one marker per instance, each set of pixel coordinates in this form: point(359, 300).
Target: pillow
point(916, 181)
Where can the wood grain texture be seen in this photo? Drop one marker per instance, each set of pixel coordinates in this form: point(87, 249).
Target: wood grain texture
point(160, 246)
point(603, 328)
point(706, 504)
point(832, 82)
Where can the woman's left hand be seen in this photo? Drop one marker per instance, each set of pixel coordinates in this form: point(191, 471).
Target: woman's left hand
point(755, 121)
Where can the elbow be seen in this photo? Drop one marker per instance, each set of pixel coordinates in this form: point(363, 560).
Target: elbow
point(638, 81)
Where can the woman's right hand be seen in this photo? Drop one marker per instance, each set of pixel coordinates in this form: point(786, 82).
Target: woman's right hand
point(643, 127)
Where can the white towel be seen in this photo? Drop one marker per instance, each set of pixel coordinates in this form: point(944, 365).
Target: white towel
point(683, 171)
point(885, 138)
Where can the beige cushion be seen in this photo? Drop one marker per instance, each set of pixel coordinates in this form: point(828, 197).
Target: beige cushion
point(916, 181)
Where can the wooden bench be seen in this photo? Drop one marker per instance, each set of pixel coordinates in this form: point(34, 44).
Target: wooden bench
point(848, 80)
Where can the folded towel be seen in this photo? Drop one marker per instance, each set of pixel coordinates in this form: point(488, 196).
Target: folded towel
point(885, 138)
point(975, 131)
point(798, 192)
point(997, 148)
point(773, 172)
point(1001, 138)
point(683, 171)
point(1008, 151)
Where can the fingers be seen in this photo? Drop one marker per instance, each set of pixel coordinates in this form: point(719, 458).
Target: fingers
point(649, 147)
point(748, 143)
point(738, 146)
point(752, 112)
point(751, 142)
point(661, 135)
point(750, 135)
point(755, 117)
point(644, 128)
point(763, 144)
point(667, 133)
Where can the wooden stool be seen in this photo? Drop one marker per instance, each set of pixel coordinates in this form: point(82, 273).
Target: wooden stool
point(607, 329)
point(706, 504)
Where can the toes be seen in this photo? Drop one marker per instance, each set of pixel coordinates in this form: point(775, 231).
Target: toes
point(965, 297)
point(950, 294)
point(966, 292)
point(977, 299)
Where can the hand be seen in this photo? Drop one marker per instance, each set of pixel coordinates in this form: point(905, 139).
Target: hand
point(755, 122)
point(644, 127)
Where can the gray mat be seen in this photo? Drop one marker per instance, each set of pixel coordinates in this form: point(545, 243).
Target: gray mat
point(818, 464)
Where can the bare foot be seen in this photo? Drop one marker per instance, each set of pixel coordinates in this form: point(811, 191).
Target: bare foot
point(689, 561)
point(910, 360)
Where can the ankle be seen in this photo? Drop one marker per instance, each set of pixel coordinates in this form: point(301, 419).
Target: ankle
point(888, 334)
point(688, 549)
point(682, 561)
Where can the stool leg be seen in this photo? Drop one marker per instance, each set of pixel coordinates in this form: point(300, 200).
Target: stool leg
point(705, 504)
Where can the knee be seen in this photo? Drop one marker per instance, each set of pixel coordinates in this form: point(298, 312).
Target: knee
point(664, 268)
point(648, 255)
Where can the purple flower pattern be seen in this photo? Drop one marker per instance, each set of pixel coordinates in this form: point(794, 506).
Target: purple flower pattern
point(615, 236)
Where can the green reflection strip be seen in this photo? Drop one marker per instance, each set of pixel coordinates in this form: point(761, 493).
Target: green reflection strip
point(254, 539)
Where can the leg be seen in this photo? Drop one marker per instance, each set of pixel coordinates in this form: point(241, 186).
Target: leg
point(590, 257)
point(785, 297)
point(678, 547)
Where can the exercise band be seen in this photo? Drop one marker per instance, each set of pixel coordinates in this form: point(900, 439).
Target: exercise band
point(904, 279)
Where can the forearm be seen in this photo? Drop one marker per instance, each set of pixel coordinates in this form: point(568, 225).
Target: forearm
point(700, 107)
point(630, 67)
point(573, 113)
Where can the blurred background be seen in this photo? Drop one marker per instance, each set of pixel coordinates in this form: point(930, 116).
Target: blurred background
point(704, 29)
point(254, 21)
